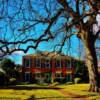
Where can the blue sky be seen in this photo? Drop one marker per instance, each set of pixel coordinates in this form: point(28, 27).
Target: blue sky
point(17, 56)
point(9, 28)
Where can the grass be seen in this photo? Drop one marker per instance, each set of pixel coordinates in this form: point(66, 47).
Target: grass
point(38, 92)
point(43, 92)
point(81, 89)
point(30, 94)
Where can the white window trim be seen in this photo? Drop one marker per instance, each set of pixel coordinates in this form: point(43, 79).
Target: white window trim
point(39, 64)
point(29, 76)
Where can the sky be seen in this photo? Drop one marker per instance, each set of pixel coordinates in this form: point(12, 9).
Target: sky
point(7, 29)
point(17, 56)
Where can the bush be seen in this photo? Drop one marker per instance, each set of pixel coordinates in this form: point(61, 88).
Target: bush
point(2, 78)
point(12, 81)
point(55, 83)
point(69, 83)
point(34, 80)
point(77, 80)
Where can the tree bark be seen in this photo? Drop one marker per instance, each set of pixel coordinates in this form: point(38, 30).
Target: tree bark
point(91, 63)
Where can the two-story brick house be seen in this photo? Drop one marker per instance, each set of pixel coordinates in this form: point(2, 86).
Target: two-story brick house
point(48, 67)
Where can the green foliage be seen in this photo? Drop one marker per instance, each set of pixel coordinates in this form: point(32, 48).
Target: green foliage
point(81, 71)
point(54, 84)
point(69, 83)
point(77, 80)
point(2, 80)
point(7, 65)
point(79, 67)
point(12, 81)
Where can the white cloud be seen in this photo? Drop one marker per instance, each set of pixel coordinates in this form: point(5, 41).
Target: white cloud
point(19, 53)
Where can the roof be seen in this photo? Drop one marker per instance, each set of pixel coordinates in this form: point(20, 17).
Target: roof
point(50, 55)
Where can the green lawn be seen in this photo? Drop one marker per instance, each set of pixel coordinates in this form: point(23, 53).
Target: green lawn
point(31, 92)
point(28, 94)
point(37, 92)
point(81, 89)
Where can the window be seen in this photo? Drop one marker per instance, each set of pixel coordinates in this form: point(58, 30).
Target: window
point(27, 62)
point(68, 77)
point(42, 63)
point(58, 75)
point(58, 63)
point(38, 75)
point(38, 63)
point(68, 64)
point(73, 63)
point(47, 63)
point(27, 76)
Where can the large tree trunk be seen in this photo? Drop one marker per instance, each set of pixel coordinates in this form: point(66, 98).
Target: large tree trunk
point(91, 62)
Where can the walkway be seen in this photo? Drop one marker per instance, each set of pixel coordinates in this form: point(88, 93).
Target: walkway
point(73, 96)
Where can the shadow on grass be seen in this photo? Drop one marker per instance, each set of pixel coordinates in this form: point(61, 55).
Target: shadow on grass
point(28, 87)
point(47, 98)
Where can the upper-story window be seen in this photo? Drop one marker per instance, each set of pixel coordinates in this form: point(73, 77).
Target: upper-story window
point(38, 62)
point(47, 63)
point(27, 62)
point(68, 63)
point(73, 63)
point(58, 63)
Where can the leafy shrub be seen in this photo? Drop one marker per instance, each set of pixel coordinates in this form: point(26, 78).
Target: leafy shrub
point(2, 78)
point(77, 80)
point(34, 80)
point(12, 81)
point(54, 84)
point(69, 83)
